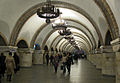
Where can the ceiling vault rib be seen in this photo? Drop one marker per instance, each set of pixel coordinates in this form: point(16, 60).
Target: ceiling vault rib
point(48, 35)
point(75, 34)
point(109, 16)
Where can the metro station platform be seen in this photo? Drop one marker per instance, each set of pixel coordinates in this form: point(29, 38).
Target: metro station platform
point(81, 72)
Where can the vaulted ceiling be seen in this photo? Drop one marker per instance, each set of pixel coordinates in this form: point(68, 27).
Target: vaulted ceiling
point(88, 20)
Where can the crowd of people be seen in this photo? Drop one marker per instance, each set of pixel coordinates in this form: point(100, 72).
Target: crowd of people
point(65, 61)
point(9, 64)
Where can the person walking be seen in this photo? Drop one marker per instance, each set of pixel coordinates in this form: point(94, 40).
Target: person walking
point(47, 58)
point(56, 62)
point(3, 65)
point(10, 66)
point(51, 59)
point(17, 62)
point(64, 63)
point(69, 62)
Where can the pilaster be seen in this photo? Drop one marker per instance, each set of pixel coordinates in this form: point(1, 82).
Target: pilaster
point(99, 59)
point(116, 48)
point(92, 57)
point(108, 62)
point(38, 56)
point(25, 55)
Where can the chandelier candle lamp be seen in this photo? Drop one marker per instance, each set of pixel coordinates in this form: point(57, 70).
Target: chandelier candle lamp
point(48, 11)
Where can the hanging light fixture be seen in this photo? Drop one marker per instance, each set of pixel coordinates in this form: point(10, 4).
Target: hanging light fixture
point(48, 11)
point(59, 24)
point(65, 32)
point(69, 37)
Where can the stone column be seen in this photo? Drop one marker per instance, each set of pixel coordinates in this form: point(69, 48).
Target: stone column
point(92, 57)
point(25, 55)
point(116, 48)
point(89, 57)
point(38, 57)
point(108, 62)
point(99, 59)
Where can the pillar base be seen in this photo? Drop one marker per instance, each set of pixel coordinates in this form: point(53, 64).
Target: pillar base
point(99, 61)
point(108, 64)
point(117, 67)
point(25, 55)
point(38, 57)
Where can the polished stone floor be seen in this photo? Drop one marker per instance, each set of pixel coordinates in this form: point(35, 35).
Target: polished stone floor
point(81, 72)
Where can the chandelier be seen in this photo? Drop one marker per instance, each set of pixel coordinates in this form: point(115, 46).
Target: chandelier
point(65, 32)
point(48, 11)
point(69, 37)
point(72, 41)
point(59, 24)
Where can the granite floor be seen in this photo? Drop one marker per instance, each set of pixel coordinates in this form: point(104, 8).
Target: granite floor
point(81, 72)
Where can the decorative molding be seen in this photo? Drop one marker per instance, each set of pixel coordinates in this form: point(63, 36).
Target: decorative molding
point(8, 49)
point(106, 49)
point(108, 14)
point(25, 50)
point(116, 45)
point(115, 42)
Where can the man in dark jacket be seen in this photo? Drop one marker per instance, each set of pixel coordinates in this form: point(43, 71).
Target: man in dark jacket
point(2, 63)
point(47, 58)
point(69, 62)
point(17, 62)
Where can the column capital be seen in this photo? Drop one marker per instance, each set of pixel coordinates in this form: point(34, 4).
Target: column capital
point(98, 51)
point(116, 45)
point(8, 48)
point(106, 49)
point(25, 50)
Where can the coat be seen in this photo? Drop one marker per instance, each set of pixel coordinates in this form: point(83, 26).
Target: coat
point(10, 65)
point(2, 64)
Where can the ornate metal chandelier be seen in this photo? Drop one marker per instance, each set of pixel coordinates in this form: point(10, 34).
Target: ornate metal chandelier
point(65, 32)
point(59, 24)
point(69, 37)
point(48, 11)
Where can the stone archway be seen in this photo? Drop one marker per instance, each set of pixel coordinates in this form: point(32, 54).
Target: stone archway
point(22, 44)
point(108, 14)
